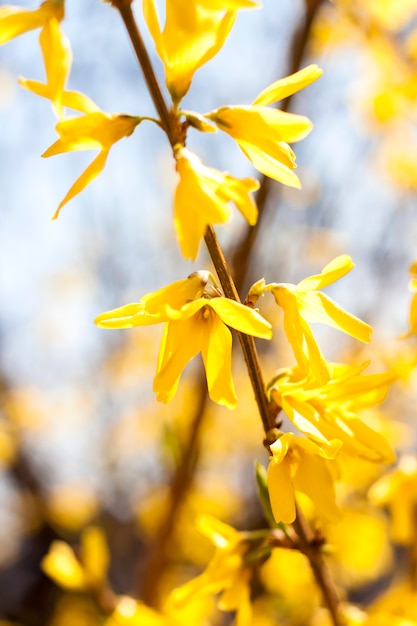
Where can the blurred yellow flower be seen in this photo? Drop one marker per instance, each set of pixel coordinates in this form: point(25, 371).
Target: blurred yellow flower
point(263, 133)
point(298, 464)
point(398, 491)
point(193, 33)
point(330, 411)
point(69, 572)
point(225, 573)
point(303, 303)
point(93, 130)
point(196, 315)
point(56, 50)
point(203, 197)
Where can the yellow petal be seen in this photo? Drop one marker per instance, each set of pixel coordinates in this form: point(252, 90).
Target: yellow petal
point(317, 307)
point(270, 166)
point(175, 295)
point(289, 85)
point(183, 341)
point(127, 316)
point(281, 492)
point(241, 317)
point(79, 102)
point(57, 58)
point(95, 555)
point(217, 356)
point(15, 21)
point(36, 87)
point(89, 174)
point(256, 123)
point(220, 534)
point(61, 565)
point(91, 131)
point(339, 267)
point(71, 99)
point(314, 479)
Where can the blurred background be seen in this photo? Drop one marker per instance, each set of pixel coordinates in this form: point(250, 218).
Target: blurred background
point(82, 439)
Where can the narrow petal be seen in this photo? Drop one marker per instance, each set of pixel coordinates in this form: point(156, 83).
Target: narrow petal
point(62, 566)
point(90, 173)
point(71, 99)
point(183, 341)
point(150, 13)
point(176, 295)
point(256, 123)
point(15, 21)
point(317, 307)
point(127, 316)
point(289, 85)
point(339, 267)
point(281, 492)
point(95, 555)
point(269, 166)
point(241, 317)
point(217, 357)
point(79, 102)
point(57, 56)
point(314, 479)
point(220, 534)
point(36, 87)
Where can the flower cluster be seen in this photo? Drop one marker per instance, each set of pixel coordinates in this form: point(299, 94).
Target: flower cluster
point(321, 400)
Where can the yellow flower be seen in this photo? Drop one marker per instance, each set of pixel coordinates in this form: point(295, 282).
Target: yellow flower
point(263, 133)
point(194, 32)
point(69, 572)
point(225, 573)
point(93, 130)
point(203, 196)
point(303, 303)
point(330, 411)
point(298, 464)
point(55, 47)
point(398, 491)
point(195, 316)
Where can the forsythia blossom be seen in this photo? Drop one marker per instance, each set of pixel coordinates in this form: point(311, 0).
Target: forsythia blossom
point(298, 464)
point(226, 572)
point(397, 490)
point(303, 303)
point(194, 32)
point(330, 411)
point(203, 196)
point(263, 133)
point(196, 317)
point(93, 130)
point(69, 572)
point(56, 51)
